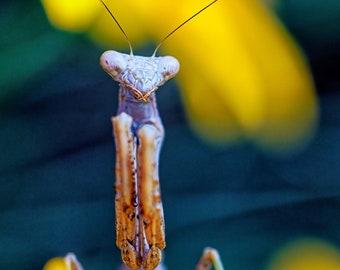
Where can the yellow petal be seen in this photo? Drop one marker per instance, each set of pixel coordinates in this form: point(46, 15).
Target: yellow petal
point(253, 68)
point(291, 105)
point(213, 48)
point(218, 123)
point(71, 15)
point(306, 254)
point(69, 262)
point(57, 263)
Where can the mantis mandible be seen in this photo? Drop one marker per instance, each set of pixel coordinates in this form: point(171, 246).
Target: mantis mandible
point(138, 133)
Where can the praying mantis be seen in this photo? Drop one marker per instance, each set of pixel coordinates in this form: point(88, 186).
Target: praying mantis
point(138, 134)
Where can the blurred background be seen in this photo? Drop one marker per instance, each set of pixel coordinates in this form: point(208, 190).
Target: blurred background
point(257, 207)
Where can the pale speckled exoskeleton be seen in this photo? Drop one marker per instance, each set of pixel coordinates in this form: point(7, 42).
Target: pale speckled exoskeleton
point(138, 133)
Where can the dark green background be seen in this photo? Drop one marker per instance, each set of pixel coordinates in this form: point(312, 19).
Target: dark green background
point(57, 156)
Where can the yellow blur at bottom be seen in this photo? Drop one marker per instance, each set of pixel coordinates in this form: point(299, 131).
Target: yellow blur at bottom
point(69, 262)
point(57, 263)
point(307, 254)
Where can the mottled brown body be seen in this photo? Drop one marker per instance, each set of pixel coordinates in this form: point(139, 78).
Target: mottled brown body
point(138, 133)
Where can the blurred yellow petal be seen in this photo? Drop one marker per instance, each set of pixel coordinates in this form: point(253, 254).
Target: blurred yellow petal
point(253, 69)
point(57, 263)
point(219, 124)
point(69, 262)
point(72, 15)
point(306, 254)
point(222, 60)
point(291, 107)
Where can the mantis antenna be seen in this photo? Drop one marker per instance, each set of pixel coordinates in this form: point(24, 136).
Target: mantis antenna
point(166, 37)
point(121, 29)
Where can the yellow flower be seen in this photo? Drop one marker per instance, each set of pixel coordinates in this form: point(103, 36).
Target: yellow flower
point(69, 262)
point(242, 76)
point(57, 263)
point(306, 254)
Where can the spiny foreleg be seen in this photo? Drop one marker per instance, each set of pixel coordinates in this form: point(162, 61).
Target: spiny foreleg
point(151, 210)
point(126, 194)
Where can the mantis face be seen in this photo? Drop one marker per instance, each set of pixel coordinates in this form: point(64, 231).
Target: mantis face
point(141, 75)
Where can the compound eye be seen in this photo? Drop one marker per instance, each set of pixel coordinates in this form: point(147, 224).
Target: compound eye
point(168, 66)
point(114, 63)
